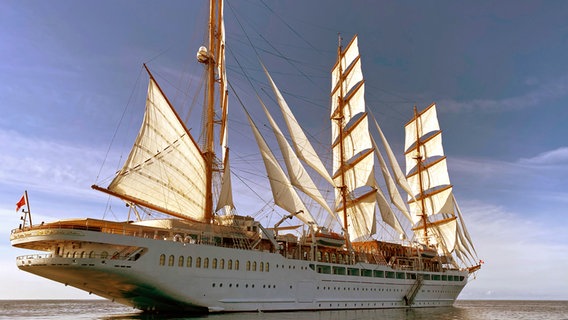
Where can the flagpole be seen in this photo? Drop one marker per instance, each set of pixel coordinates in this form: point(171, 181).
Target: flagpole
point(28, 204)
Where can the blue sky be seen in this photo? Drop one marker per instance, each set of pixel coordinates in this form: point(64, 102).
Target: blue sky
point(497, 71)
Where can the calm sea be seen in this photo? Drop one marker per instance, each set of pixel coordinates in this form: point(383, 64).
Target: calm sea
point(462, 310)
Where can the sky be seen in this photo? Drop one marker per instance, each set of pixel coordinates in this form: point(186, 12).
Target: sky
point(73, 88)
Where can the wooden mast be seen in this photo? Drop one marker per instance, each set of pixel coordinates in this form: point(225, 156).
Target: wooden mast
point(340, 120)
point(209, 153)
point(418, 159)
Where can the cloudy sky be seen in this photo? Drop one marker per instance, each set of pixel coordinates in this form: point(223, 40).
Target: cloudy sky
point(71, 74)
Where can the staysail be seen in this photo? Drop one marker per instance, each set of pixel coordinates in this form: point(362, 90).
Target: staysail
point(298, 175)
point(282, 190)
point(303, 147)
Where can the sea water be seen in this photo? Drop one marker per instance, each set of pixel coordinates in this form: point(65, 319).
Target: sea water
point(462, 310)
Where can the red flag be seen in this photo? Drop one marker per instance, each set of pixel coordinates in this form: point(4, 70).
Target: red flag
point(21, 203)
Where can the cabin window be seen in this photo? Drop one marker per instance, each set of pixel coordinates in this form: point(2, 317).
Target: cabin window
point(340, 258)
point(353, 271)
point(222, 264)
point(339, 270)
point(248, 265)
point(189, 262)
point(171, 261)
point(261, 267)
point(162, 259)
point(266, 267)
point(214, 264)
point(254, 266)
point(198, 262)
point(326, 257)
point(333, 258)
point(180, 261)
point(206, 263)
point(91, 254)
point(318, 255)
point(230, 264)
point(104, 255)
point(82, 254)
point(236, 264)
point(379, 273)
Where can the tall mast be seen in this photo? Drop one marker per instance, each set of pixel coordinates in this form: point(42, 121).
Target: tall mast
point(209, 154)
point(418, 159)
point(340, 119)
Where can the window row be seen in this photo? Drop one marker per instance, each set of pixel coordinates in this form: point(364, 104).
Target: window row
point(341, 270)
point(215, 263)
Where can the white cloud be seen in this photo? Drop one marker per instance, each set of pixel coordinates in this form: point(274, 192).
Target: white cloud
point(49, 166)
point(554, 157)
point(524, 259)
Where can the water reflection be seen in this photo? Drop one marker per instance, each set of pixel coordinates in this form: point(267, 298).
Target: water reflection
point(446, 313)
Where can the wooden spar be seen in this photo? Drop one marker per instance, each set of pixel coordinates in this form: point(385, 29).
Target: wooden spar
point(142, 203)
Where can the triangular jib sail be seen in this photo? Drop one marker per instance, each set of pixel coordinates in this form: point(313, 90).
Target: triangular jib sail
point(152, 175)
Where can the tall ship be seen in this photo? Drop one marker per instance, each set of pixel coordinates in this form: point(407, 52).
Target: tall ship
point(204, 256)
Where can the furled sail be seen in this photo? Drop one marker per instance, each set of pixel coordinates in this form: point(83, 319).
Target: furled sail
point(225, 199)
point(282, 190)
point(427, 173)
point(222, 75)
point(303, 147)
point(353, 158)
point(152, 175)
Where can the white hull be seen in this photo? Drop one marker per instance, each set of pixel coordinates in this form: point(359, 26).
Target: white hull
point(150, 283)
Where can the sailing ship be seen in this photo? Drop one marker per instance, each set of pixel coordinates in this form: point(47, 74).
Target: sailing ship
point(205, 257)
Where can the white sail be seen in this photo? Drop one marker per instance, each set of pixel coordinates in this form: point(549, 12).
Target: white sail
point(432, 200)
point(226, 194)
point(429, 148)
point(424, 123)
point(282, 190)
point(448, 234)
point(152, 175)
point(298, 175)
point(395, 167)
point(394, 195)
point(223, 91)
point(361, 221)
point(353, 160)
point(303, 147)
point(387, 214)
point(467, 241)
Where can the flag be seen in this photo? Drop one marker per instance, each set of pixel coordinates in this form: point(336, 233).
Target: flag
point(21, 203)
